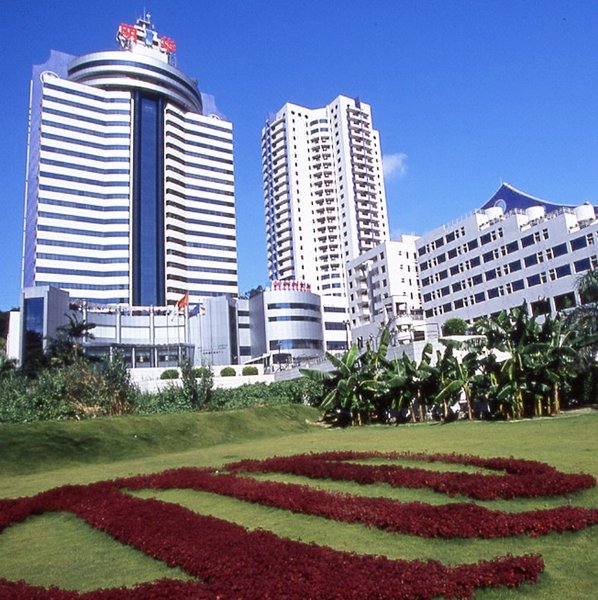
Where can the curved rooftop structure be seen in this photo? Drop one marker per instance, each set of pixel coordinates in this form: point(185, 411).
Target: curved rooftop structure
point(133, 71)
point(510, 198)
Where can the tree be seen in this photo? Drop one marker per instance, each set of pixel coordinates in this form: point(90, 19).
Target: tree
point(66, 347)
point(458, 376)
point(582, 323)
point(454, 326)
point(357, 384)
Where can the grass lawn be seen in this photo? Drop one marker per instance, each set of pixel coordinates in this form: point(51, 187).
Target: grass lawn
point(58, 549)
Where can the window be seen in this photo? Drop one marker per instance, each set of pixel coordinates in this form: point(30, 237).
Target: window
point(533, 280)
point(559, 250)
point(563, 271)
point(514, 266)
point(530, 260)
point(564, 301)
point(578, 244)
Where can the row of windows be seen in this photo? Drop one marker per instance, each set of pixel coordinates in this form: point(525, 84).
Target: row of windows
point(85, 232)
point(203, 269)
point(202, 166)
point(200, 177)
point(202, 281)
point(199, 188)
point(294, 318)
point(196, 199)
point(70, 140)
point(334, 309)
point(203, 211)
point(83, 246)
point(61, 190)
point(201, 134)
point(199, 144)
point(209, 234)
point(188, 244)
point(63, 151)
point(86, 106)
point(80, 118)
point(210, 258)
point(82, 206)
point(334, 326)
point(514, 286)
point(88, 95)
point(294, 305)
point(498, 253)
point(300, 344)
point(171, 146)
point(101, 134)
point(84, 286)
point(81, 273)
point(88, 169)
point(200, 222)
point(80, 219)
point(201, 123)
point(71, 178)
point(85, 259)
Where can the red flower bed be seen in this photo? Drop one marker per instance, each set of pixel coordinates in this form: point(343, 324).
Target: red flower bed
point(521, 478)
point(235, 563)
point(458, 520)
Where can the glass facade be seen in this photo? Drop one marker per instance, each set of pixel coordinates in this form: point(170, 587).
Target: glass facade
point(33, 329)
point(148, 202)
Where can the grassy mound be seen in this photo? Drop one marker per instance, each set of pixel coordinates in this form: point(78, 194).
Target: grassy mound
point(50, 445)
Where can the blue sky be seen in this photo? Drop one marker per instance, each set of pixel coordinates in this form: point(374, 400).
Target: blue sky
point(465, 94)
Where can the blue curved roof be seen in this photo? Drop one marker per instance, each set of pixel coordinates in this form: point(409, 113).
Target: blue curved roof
point(510, 198)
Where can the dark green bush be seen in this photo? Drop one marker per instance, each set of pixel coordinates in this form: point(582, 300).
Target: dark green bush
point(227, 372)
point(250, 370)
point(170, 374)
point(200, 372)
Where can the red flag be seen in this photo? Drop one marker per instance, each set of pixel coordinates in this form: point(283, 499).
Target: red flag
point(183, 301)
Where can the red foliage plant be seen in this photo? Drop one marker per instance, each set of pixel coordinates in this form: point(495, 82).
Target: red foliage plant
point(230, 562)
point(521, 478)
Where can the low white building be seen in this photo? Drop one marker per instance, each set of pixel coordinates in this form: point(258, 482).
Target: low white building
point(515, 248)
point(383, 291)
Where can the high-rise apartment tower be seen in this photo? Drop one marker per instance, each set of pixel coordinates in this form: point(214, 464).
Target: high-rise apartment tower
point(130, 192)
point(325, 202)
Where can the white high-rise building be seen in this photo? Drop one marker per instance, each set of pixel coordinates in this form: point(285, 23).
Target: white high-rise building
point(130, 188)
point(325, 202)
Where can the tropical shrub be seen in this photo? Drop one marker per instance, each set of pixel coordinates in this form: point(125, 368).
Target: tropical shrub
point(454, 326)
point(250, 370)
point(227, 372)
point(170, 374)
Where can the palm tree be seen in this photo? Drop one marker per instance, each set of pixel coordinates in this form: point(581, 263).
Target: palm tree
point(458, 376)
point(66, 348)
point(358, 384)
point(582, 322)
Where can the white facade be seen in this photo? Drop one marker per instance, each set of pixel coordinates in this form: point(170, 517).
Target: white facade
point(516, 248)
point(384, 291)
point(130, 187)
point(325, 202)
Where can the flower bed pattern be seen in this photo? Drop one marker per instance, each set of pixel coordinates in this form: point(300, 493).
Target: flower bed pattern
point(231, 562)
point(457, 520)
point(521, 478)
